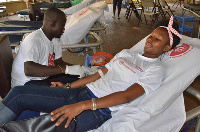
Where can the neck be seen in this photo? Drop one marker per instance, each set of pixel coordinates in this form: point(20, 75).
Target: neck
point(47, 33)
point(150, 55)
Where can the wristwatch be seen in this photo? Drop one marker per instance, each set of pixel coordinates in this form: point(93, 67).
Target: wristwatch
point(68, 86)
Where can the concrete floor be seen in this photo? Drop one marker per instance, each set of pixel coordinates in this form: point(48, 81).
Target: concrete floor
point(121, 34)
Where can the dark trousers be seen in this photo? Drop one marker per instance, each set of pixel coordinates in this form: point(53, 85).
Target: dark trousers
point(117, 3)
point(64, 78)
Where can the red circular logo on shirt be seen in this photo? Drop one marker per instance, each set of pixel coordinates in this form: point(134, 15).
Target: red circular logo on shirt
point(180, 50)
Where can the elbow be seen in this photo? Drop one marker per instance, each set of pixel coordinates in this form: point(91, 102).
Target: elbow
point(126, 98)
point(132, 93)
point(133, 97)
point(27, 71)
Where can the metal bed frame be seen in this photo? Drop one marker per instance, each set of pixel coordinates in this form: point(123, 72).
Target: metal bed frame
point(194, 113)
point(86, 44)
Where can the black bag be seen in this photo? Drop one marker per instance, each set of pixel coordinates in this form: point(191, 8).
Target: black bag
point(42, 123)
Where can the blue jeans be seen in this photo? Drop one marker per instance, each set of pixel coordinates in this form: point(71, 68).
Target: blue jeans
point(47, 99)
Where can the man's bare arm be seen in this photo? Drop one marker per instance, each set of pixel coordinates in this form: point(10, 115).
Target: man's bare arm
point(37, 70)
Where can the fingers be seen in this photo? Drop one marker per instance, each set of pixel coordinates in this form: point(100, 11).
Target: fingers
point(60, 84)
point(53, 84)
point(63, 118)
point(62, 111)
point(55, 117)
point(57, 84)
point(66, 112)
point(68, 122)
point(57, 113)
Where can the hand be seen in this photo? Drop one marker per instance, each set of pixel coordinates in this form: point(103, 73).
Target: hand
point(75, 70)
point(57, 84)
point(67, 111)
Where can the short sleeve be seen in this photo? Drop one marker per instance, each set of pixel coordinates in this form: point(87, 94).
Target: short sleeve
point(109, 65)
point(32, 50)
point(152, 78)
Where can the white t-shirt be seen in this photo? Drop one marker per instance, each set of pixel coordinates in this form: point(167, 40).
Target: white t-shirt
point(38, 48)
point(125, 69)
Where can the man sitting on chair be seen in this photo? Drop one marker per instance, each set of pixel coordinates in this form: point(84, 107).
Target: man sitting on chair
point(39, 59)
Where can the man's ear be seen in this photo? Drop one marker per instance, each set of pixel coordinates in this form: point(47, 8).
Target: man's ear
point(167, 48)
point(53, 23)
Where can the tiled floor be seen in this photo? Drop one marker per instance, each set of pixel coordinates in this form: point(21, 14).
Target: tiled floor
point(121, 34)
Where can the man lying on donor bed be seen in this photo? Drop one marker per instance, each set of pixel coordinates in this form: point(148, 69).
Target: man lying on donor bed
point(92, 99)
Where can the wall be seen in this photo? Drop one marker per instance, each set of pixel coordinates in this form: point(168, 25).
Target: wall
point(14, 6)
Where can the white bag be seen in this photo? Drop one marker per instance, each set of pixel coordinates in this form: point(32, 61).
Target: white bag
point(79, 24)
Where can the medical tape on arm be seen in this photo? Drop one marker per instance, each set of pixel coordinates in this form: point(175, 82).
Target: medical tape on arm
point(100, 73)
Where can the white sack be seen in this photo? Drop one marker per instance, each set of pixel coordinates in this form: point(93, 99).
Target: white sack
point(79, 24)
point(78, 7)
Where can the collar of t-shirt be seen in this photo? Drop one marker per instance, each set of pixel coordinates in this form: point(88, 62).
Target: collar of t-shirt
point(140, 55)
point(44, 36)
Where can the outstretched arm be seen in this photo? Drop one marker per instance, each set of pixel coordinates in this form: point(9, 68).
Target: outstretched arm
point(91, 78)
point(70, 111)
point(121, 97)
point(83, 81)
